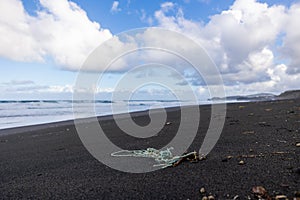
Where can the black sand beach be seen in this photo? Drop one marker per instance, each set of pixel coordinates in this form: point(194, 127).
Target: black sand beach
point(49, 161)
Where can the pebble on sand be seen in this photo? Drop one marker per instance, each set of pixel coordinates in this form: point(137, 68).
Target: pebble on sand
point(202, 190)
point(259, 190)
point(298, 144)
point(211, 197)
point(281, 197)
point(241, 162)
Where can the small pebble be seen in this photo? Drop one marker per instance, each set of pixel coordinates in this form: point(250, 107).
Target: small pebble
point(202, 158)
point(298, 144)
point(227, 158)
point(259, 190)
point(281, 197)
point(168, 123)
point(241, 162)
point(211, 197)
point(202, 190)
point(204, 198)
point(236, 197)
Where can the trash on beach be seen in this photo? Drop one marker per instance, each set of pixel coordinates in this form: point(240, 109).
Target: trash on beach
point(268, 109)
point(242, 107)
point(164, 158)
point(298, 144)
point(168, 123)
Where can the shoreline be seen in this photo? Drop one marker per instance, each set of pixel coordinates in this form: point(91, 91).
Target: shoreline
point(49, 161)
point(68, 122)
point(32, 127)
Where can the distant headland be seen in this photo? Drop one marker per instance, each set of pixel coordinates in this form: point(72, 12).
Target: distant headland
point(290, 94)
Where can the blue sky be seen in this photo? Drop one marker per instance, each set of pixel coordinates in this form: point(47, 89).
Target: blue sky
point(254, 44)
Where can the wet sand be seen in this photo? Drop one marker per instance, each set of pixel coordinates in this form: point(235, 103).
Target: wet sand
point(49, 161)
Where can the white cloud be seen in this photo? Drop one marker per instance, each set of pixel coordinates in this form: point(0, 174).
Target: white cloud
point(115, 7)
point(61, 30)
point(16, 41)
point(167, 6)
point(59, 89)
point(146, 19)
point(243, 42)
point(30, 87)
point(291, 42)
point(232, 35)
point(104, 90)
point(18, 82)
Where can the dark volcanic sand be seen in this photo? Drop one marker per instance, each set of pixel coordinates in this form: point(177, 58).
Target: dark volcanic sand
point(50, 162)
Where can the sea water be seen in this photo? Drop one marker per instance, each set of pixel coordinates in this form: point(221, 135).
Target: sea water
point(31, 112)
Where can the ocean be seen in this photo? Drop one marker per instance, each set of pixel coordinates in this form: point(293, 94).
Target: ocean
point(31, 112)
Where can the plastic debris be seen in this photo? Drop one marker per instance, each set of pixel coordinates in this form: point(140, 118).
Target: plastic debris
point(164, 158)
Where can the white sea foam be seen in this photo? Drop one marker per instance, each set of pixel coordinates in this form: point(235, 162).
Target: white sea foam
point(23, 113)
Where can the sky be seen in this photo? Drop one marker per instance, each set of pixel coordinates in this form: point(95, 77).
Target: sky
point(254, 44)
